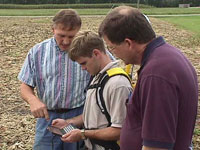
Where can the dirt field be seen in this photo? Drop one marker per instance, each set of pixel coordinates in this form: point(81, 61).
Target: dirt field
point(18, 35)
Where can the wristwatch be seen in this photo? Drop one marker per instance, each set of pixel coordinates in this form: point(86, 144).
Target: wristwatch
point(83, 134)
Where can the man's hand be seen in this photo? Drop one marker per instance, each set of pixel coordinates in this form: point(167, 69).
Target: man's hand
point(59, 123)
point(38, 109)
point(74, 136)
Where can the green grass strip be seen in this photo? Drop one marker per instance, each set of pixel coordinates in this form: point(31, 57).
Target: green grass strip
point(96, 11)
point(190, 23)
point(170, 11)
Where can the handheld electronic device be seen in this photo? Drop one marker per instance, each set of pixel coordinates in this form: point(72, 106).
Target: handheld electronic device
point(61, 131)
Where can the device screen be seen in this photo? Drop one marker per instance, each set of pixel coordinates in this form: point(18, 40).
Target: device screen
point(55, 130)
point(62, 131)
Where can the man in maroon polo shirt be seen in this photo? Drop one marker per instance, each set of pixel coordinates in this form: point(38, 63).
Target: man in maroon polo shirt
point(162, 111)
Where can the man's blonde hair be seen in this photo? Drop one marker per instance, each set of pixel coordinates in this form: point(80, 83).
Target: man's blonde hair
point(84, 43)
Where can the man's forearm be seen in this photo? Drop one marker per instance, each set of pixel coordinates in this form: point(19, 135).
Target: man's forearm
point(27, 93)
point(110, 133)
point(77, 121)
point(38, 108)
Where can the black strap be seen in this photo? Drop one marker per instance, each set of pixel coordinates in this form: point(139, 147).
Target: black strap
point(108, 145)
point(91, 78)
point(100, 99)
point(112, 145)
point(94, 86)
point(99, 93)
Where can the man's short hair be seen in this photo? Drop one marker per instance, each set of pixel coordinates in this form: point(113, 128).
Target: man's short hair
point(84, 43)
point(67, 17)
point(126, 22)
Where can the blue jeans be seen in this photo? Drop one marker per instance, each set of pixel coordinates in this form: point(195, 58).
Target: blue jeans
point(45, 140)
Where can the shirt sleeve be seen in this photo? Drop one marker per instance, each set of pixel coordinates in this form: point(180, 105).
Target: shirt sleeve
point(26, 75)
point(159, 105)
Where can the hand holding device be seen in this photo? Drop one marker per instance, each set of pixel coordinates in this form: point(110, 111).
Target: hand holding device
point(61, 131)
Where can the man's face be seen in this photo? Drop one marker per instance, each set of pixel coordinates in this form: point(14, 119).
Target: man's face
point(90, 64)
point(120, 50)
point(64, 36)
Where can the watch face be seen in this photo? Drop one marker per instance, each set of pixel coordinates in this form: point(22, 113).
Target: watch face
point(83, 134)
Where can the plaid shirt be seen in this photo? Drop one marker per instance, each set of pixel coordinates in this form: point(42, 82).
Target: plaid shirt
point(60, 82)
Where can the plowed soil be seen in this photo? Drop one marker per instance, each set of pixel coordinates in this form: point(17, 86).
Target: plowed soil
point(18, 35)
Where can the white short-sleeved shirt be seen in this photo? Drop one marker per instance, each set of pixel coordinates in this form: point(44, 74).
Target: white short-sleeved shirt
point(115, 93)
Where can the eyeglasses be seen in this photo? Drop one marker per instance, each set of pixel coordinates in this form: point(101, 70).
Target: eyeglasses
point(111, 48)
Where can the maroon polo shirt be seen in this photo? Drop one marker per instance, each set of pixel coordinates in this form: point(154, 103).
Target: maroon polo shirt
point(162, 110)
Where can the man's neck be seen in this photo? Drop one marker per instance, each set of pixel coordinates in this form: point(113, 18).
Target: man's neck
point(141, 48)
point(105, 61)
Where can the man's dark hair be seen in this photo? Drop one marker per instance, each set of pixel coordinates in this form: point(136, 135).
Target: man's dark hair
point(126, 22)
point(67, 17)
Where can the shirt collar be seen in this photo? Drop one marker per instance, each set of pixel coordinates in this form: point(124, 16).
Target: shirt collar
point(149, 50)
point(57, 47)
point(107, 67)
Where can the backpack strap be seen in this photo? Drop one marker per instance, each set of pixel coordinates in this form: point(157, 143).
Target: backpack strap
point(91, 78)
point(118, 71)
point(100, 86)
point(108, 145)
point(100, 99)
point(101, 103)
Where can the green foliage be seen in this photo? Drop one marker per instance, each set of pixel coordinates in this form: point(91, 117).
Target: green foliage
point(197, 131)
point(157, 3)
point(62, 6)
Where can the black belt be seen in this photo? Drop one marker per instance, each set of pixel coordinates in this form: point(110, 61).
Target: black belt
point(63, 110)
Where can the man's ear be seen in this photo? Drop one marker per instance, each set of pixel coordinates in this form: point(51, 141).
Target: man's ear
point(96, 52)
point(53, 28)
point(129, 42)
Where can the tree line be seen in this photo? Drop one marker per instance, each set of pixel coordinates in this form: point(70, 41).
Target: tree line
point(156, 3)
